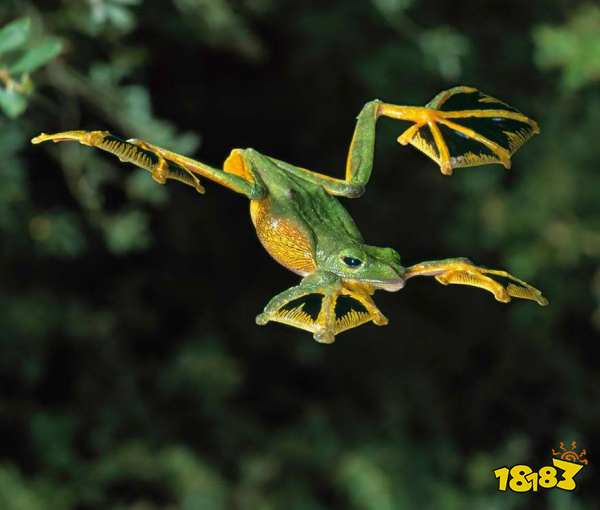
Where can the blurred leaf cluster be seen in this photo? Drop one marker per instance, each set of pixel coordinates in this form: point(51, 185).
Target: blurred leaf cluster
point(132, 374)
point(574, 47)
point(18, 58)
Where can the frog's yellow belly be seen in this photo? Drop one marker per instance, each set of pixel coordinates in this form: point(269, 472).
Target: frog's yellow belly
point(287, 243)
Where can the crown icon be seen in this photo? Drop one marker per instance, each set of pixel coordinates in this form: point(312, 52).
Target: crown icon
point(570, 455)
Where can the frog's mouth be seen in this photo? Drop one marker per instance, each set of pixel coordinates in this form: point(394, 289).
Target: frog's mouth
point(391, 285)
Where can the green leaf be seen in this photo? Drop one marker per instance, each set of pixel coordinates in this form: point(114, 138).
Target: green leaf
point(573, 47)
point(12, 103)
point(367, 485)
point(392, 7)
point(127, 232)
point(37, 56)
point(14, 35)
point(16, 492)
point(444, 48)
point(120, 17)
point(59, 234)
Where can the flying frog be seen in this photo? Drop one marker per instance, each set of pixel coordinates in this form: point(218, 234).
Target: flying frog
point(302, 224)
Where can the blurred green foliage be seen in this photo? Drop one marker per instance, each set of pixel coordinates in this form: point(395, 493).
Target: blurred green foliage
point(18, 59)
point(573, 47)
point(133, 376)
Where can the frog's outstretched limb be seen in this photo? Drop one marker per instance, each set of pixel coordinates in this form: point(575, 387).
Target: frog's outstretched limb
point(459, 127)
point(461, 271)
point(328, 322)
point(164, 164)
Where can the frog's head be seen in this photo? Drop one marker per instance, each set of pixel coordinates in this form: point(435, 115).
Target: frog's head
point(379, 267)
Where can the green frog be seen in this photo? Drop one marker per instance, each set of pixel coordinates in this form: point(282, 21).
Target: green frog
point(301, 223)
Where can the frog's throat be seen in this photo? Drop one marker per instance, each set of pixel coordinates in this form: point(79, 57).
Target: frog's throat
point(290, 245)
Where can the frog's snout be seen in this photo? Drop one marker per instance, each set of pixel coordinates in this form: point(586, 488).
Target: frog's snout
point(395, 279)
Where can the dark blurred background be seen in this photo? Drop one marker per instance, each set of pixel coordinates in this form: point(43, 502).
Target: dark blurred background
point(132, 374)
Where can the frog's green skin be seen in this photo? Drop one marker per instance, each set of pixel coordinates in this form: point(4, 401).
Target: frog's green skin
point(302, 224)
point(331, 231)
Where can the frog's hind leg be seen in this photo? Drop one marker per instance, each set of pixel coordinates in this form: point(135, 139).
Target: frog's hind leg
point(359, 162)
point(161, 163)
point(459, 127)
point(462, 271)
point(463, 127)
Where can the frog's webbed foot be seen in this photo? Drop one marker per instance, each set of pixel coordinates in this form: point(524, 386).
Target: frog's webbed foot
point(159, 162)
point(462, 271)
point(162, 170)
point(340, 306)
point(463, 127)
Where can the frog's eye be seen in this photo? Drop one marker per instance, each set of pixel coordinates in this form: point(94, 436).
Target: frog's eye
point(352, 261)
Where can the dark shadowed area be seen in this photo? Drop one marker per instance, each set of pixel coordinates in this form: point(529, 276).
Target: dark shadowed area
point(132, 374)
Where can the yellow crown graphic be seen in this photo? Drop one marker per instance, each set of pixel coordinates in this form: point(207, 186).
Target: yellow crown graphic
point(570, 455)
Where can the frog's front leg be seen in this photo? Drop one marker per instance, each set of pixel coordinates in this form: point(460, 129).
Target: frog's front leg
point(323, 327)
point(344, 305)
point(237, 173)
point(462, 271)
point(362, 293)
